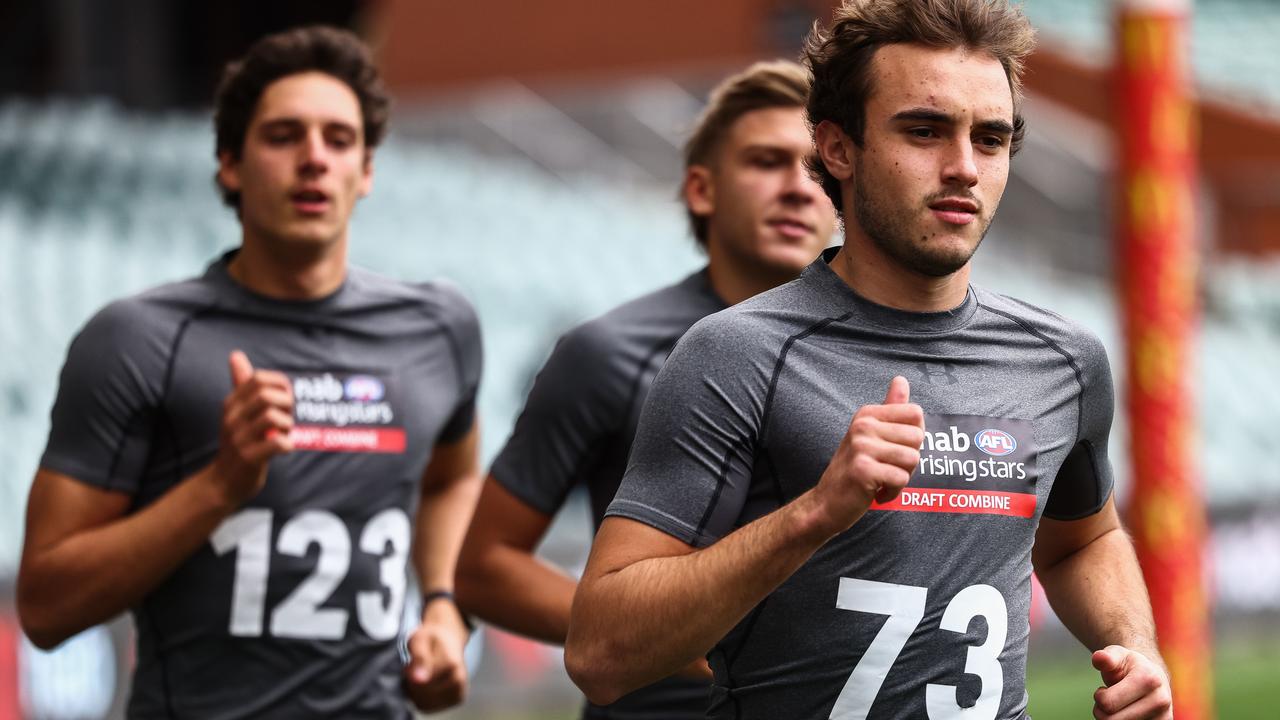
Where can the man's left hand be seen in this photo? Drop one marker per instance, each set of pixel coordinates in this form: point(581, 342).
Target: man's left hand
point(1136, 687)
point(436, 676)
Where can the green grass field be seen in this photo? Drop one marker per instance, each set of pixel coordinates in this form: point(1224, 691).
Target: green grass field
point(1246, 684)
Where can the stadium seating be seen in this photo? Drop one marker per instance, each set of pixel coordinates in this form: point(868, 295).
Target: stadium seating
point(1233, 50)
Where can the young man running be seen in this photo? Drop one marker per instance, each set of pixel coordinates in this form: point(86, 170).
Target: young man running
point(248, 460)
point(766, 518)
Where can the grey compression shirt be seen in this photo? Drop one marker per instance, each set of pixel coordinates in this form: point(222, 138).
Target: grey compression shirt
point(921, 608)
point(293, 606)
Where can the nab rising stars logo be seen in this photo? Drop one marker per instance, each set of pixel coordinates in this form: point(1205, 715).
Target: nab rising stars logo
point(995, 442)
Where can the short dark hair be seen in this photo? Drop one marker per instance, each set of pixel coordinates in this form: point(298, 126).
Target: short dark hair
point(769, 84)
point(839, 57)
point(315, 48)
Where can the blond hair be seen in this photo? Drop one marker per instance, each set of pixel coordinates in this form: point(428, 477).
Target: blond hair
point(769, 84)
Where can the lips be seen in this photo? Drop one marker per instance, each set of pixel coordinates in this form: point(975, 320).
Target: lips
point(955, 211)
point(310, 201)
point(791, 227)
point(955, 205)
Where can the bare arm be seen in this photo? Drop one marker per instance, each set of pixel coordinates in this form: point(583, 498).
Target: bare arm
point(649, 603)
point(79, 536)
point(450, 486)
point(499, 577)
point(436, 676)
point(1092, 579)
point(502, 581)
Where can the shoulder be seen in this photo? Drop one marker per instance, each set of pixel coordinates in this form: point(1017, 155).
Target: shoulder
point(601, 353)
point(635, 329)
point(154, 316)
point(438, 297)
point(1063, 334)
point(677, 305)
point(760, 324)
point(131, 340)
point(454, 308)
point(745, 340)
point(414, 307)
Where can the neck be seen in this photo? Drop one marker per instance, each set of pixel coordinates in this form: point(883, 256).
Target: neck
point(289, 271)
point(883, 280)
point(734, 281)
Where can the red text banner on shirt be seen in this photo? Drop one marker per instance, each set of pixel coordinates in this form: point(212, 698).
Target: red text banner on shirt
point(979, 502)
point(348, 439)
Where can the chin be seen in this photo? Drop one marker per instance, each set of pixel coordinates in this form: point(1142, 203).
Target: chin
point(309, 235)
point(938, 264)
point(795, 252)
point(787, 260)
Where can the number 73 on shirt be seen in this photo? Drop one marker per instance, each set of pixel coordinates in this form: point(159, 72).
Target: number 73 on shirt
point(905, 604)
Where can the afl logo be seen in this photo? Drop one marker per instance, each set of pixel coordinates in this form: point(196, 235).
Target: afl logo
point(363, 388)
point(995, 442)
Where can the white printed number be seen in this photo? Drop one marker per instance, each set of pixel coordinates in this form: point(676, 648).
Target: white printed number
point(300, 615)
point(904, 604)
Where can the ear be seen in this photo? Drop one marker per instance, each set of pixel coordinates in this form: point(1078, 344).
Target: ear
point(366, 176)
point(699, 190)
point(835, 149)
point(228, 171)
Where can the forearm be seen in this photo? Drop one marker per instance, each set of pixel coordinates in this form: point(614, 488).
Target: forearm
point(444, 512)
point(517, 591)
point(112, 567)
point(1099, 594)
point(633, 626)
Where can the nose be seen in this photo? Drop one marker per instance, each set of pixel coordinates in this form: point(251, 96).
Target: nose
point(313, 153)
point(960, 166)
point(799, 186)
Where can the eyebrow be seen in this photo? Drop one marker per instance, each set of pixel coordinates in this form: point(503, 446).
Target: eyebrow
point(289, 121)
point(1001, 127)
point(768, 147)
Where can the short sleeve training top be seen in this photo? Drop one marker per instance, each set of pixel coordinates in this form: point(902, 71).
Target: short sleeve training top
point(577, 427)
point(293, 607)
point(921, 608)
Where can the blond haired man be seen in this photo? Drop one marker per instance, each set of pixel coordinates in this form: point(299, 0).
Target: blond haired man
point(761, 219)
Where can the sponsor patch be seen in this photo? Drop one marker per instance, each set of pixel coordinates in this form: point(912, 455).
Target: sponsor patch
point(344, 412)
point(974, 465)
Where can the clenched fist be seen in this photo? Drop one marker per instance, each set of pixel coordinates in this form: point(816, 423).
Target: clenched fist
point(436, 676)
point(1136, 687)
point(257, 417)
point(875, 458)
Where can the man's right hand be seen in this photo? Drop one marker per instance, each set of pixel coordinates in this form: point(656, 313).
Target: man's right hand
point(875, 458)
point(257, 417)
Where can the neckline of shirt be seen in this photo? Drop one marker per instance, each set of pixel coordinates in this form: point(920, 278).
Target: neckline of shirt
point(904, 321)
point(219, 273)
